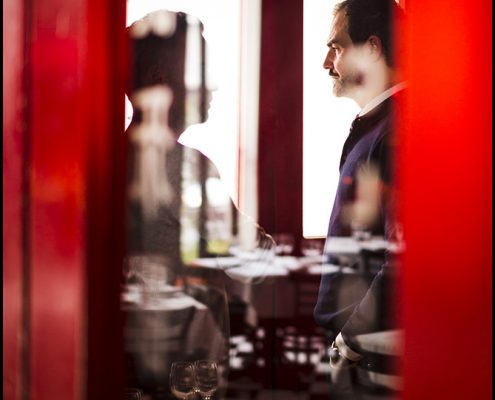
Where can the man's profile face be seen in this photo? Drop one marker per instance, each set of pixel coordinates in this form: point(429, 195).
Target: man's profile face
point(343, 59)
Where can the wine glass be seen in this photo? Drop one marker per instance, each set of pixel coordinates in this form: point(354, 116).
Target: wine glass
point(182, 379)
point(311, 247)
point(284, 243)
point(360, 232)
point(206, 378)
point(153, 274)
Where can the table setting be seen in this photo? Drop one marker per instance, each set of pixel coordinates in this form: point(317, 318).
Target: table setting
point(164, 324)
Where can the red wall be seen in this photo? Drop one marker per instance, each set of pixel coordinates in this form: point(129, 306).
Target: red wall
point(63, 198)
point(447, 203)
point(13, 141)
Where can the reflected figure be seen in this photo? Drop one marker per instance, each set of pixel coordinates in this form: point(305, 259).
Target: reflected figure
point(152, 139)
point(360, 61)
point(169, 318)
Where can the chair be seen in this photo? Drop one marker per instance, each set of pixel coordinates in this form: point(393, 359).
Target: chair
point(244, 375)
point(215, 299)
point(299, 342)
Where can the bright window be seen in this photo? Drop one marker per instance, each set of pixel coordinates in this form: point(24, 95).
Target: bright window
point(218, 138)
point(327, 120)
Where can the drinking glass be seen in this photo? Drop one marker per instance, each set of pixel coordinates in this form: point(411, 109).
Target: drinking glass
point(182, 379)
point(206, 378)
point(311, 247)
point(152, 272)
point(360, 231)
point(284, 243)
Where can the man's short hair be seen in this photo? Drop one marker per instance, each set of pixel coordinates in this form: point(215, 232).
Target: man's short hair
point(381, 18)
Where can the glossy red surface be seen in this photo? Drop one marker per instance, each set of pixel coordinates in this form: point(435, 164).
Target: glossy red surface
point(64, 92)
point(447, 201)
point(13, 103)
point(57, 196)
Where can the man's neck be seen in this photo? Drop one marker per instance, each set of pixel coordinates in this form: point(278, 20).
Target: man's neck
point(380, 98)
point(380, 78)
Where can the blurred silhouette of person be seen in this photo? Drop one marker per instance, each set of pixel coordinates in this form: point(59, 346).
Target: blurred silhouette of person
point(157, 92)
point(362, 65)
point(162, 109)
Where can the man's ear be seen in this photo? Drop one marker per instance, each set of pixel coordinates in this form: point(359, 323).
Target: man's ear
point(375, 45)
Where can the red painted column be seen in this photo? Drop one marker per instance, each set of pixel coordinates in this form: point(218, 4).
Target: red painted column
point(77, 191)
point(13, 141)
point(280, 118)
point(57, 200)
point(105, 77)
point(64, 174)
point(447, 201)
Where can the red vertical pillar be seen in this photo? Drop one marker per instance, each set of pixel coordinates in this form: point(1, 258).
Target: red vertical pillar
point(104, 82)
point(280, 117)
point(13, 140)
point(447, 201)
point(57, 191)
point(64, 173)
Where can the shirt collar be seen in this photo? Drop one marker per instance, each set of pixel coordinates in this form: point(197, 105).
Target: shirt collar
point(381, 98)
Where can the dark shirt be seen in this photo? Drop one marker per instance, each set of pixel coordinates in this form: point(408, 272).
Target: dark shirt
point(369, 143)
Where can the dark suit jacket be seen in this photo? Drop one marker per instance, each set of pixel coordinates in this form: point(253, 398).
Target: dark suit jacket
point(361, 304)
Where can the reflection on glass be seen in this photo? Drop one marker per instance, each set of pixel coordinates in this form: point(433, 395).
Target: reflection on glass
point(176, 213)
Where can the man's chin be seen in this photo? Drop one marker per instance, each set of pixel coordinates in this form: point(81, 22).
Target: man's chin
point(343, 90)
point(338, 91)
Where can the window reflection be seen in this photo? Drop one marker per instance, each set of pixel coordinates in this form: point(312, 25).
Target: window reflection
point(178, 215)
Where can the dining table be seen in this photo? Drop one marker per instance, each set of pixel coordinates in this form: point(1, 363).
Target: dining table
point(351, 246)
point(167, 325)
point(263, 285)
point(274, 289)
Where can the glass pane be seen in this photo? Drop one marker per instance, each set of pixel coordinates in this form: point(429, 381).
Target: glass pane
point(181, 222)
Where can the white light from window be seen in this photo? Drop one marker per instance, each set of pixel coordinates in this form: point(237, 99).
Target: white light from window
point(217, 138)
point(327, 120)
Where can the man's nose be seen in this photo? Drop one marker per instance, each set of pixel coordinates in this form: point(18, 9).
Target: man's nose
point(328, 62)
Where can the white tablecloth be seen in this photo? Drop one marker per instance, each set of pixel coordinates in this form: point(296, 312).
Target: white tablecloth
point(202, 333)
point(349, 246)
point(265, 287)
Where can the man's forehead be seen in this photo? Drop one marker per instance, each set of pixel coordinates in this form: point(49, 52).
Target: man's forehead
point(338, 30)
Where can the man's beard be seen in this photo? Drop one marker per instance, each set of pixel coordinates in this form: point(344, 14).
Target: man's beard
point(343, 86)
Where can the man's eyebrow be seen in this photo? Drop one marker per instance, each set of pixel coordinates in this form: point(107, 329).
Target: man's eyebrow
point(332, 41)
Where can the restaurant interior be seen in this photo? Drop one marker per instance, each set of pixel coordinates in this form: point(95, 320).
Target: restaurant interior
point(119, 281)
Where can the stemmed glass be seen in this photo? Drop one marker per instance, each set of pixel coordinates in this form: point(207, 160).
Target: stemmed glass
point(360, 231)
point(206, 378)
point(311, 247)
point(182, 383)
point(284, 243)
point(152, 272)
